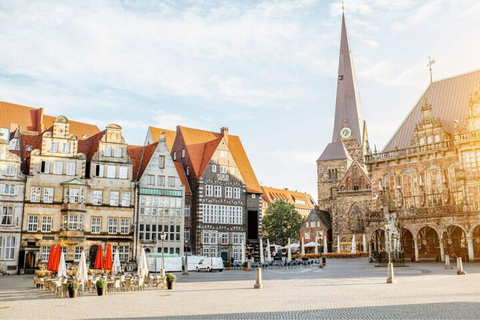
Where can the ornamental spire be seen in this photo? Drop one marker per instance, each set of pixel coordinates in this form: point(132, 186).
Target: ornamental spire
point(348, 109)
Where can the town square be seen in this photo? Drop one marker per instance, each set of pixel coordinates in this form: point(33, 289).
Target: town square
point(216, 160)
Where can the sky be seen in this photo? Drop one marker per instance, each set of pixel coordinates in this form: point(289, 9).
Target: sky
point(265, 69)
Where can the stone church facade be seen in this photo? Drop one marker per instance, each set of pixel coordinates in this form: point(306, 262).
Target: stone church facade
point(428, 170)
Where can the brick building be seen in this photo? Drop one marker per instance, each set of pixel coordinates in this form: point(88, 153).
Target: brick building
point(316, 227)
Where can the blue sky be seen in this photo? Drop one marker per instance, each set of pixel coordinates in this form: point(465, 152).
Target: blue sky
point(265, 69)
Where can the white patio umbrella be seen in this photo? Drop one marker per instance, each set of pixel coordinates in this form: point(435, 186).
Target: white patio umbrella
point(269, 252)
point(354, 245)
point(243, 252)
point(117, 266)
point(262, 259)
point(303, 245)
point(338, 244)
point(82, 271)
point(325, 244)
point(365, 249)
point(316, 247)
point(142, 264)
point(62, 267)
point(289, 253)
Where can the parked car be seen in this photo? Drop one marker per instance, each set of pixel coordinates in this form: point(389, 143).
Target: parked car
point(210, 264)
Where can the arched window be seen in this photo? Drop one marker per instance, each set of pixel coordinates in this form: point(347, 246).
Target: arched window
point(455, 186)
point(409, 181)
point(433, 186)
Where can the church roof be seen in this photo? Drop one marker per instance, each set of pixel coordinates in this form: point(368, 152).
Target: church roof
point(334, 151)
point(348, 107)
point(449, 99)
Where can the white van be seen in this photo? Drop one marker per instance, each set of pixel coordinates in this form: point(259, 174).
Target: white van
point(210, 264)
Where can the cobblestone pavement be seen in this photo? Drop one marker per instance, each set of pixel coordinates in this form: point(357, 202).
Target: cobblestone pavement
point(345, 289)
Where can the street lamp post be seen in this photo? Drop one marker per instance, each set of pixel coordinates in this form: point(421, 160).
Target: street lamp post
point(185, 267)
point(162, 271)
point(388, 226)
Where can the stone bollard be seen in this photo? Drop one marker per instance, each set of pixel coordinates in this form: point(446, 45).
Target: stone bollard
point(320, 264)
point(447, 262)
point(258, 282)
point(324, 261)
point(391, 278)
point(460, 267)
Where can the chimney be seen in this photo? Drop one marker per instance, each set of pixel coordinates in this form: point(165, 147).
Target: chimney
point(39, 119)
point(162, 137)
point(224, 133)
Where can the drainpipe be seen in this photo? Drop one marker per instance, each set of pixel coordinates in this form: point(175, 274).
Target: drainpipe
point(135, 219)
point(21, 222)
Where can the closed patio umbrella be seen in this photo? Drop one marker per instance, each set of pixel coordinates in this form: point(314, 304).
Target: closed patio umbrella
point(316, 247)
point(58, 253)
point(325, 244)
point(117, 266)
point(108, 258)
point(82, 271)
point(289, 254)
point(364, 243)
point(99, 258)
point(243, 252)
point(269, 252)
point(338, 244)
point(62, 267)
point(354, 245)
point(142, 270)
point(51, 258)
point(303, 245)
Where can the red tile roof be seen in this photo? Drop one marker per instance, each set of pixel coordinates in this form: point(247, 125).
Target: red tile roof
point(183, 177)
point(90, 146)
point(169, 134)
point(33, 119)
point(201, 145)
point(270, 195)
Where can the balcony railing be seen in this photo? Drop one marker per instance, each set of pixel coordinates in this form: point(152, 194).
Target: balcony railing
point(399, 153)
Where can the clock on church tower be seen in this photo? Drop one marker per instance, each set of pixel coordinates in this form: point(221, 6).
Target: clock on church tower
point(345, 133)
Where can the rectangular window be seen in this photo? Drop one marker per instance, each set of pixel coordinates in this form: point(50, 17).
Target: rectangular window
point(35, 193)
point(45, 253)
point(186, 235)
point(150, 180)
point(70, 169)
point(187, 212)
point(57, 167)
point(46, 224)
point(209, 190)
point(9, 189)
point(45, 167)
point(72, 222)
point(97, 197)
point(74, 195)
point(214, 168)
point(224, 238)
point(183, 153)
point(223, 169)
point(228, 192)
point(7, 217)
point(114, 198)
point(171, 182)
point(112, 226)
point(161, 162)
point(99, 170)
point(54, 146)
point(9, 248)
point(96, 225)
point(107, 151)
point(65, 147)
point(118, 152)
point(206, 238)
point(125, 226)
point(236, 193)
point(122, 172)
point(125, 199)
point(9, 170)
point(218, 191)
point(111, 170)
point(32, 223)
point(205, 252)
point(78, 253)
point(161, 181)
point(223, 154)
point(48, 195)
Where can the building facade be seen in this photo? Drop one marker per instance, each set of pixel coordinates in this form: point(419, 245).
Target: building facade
point(316, 228)
point(303, 202)
point(12, 192)
point(161, 199)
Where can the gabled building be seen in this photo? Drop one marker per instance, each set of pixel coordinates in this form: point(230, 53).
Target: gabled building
point(316, 227)
point(12, 192)
point(225, 204)
point(303, 202)
point(161, 187)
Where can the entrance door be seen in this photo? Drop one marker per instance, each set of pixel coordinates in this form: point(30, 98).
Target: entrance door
point(21, 260)
point(224, 256)
point(30, 262)
point(92, 255)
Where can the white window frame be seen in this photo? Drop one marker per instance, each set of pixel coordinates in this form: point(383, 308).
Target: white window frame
point(228, 192)
point(209, 190)
point(214, 168)
point(70, 168)
point(217, 191)
point(73, 222)
point(107, 151)
point(7, 215)
point(45, 254)
point(32, 223)
point(9, 189)
point(48, 195)
point(9, 248)
point(112, 225)
point(53, 146)
point(223, 154)
point(236, 193)
point(161, 161)
point(35, 194)
point(57, 167)
point(65, 147)
point(124, 226)
point(97, 197)
point(111, 172)
point(47, 224)
point(123, 172)
point(96, 225)
point(114, 195)
point(118, 152)
point(223, 169)
point(126, 196)
point(78, 253)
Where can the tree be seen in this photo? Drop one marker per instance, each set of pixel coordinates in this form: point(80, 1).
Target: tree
point(281, 221)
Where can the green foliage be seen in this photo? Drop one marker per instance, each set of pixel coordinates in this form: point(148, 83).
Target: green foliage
point(245, 264)
point(73, 285)
point(227, 264)
point(170, 277)
point(101, 284)
point(280, 222)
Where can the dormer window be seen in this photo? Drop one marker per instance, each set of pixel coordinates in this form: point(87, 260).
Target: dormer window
point(187, 170)
point(183, 153)
point(161, 162)
point(175, 155)
point(107, 151)
point(53, 146)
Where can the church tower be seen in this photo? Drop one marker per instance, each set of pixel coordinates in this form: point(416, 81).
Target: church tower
point(349, 140)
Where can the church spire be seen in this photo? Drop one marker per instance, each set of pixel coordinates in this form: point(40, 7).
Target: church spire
point(348, 109)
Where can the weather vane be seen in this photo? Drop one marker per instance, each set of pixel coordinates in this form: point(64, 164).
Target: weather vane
point(429, 65)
